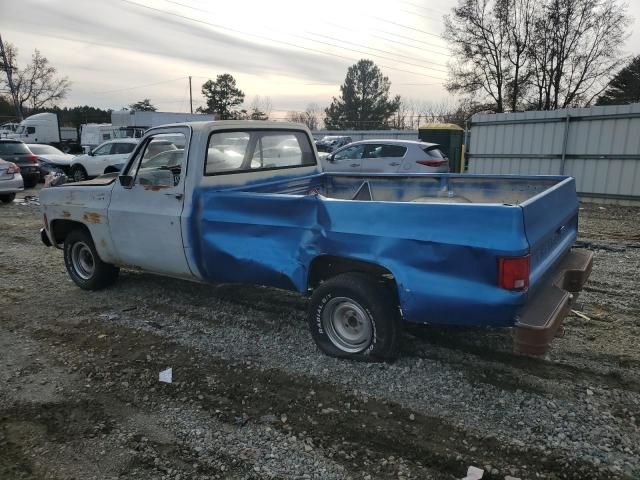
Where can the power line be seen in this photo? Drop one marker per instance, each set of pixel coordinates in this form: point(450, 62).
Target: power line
point(408, 28)
point(263, 37)
point(372, 54)
point(138, 86)
point(396, 41)
point(383, 51)
point(422, 7)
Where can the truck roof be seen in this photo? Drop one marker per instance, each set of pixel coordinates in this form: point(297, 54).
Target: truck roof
point(239, 124)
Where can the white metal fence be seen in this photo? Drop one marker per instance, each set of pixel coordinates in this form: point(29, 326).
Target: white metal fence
point(598, 146)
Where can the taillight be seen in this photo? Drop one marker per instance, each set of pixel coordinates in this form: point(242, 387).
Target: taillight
point(13, 168)
point(431, 163)
point(513, 272)
point(33, 158)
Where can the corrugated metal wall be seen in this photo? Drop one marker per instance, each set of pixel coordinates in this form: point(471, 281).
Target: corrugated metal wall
point(357, 135)
point(599, 146)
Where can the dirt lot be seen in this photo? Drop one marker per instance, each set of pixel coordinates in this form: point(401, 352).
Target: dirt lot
point(252, 397)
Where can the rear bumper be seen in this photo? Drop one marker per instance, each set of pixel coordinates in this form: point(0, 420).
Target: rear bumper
point(541, 318)
point(13, 185)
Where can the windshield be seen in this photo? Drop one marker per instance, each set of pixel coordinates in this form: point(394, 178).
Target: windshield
point(44, 150)
point(13, 148)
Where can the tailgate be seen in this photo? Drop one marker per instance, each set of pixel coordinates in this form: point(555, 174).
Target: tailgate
point(551, 227)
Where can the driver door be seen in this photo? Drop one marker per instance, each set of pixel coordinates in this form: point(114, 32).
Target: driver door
point(145, 217)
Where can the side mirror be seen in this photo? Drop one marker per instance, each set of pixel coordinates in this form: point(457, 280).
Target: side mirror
point(331, 158)
point(90, 153)
point(126, 181)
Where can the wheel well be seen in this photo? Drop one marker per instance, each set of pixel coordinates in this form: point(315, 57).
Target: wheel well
point(325, 267)
point(61, 228)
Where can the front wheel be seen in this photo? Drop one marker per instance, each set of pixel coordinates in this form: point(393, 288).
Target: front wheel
point(355, 316)
point(83, 263)
point(8, 198)
point(78, 173)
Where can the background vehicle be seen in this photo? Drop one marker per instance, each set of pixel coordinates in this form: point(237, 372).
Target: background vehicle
point(387, 156)
point(92, 164)
point(44, 128)
point(93, 134)
point(374, 250)
point(51, 159)
point(331, 143)
point(17, 152)
point(7, 129)
point(10, 181)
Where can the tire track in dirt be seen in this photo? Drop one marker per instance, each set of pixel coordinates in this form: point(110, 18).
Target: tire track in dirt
point(246, 389)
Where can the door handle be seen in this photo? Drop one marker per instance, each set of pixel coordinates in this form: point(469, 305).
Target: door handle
point(177, 195)
point(394, 164)
point(355, 164)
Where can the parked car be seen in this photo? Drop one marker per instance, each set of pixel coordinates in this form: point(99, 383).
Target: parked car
point(373, 251)
point(387, 156)
point(10, 181)
point(331, 143)
point(51, 159)
point(17, 152)
point(92, 164)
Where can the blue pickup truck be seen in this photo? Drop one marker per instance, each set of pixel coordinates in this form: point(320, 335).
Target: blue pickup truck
point(246, 202)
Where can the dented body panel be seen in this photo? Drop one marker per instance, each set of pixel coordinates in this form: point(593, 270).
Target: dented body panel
point(439, 236)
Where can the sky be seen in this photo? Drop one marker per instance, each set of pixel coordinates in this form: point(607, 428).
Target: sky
point(116, 52)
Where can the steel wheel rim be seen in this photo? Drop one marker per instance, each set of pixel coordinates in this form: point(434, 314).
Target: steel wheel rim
point(82, 260)
point(78, 175)
point(347, 325)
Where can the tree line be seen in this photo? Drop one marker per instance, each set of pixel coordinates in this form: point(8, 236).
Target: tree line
point(507, 55)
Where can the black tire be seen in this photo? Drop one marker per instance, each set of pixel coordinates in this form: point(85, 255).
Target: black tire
point(78, 173)
point(7, 198)
point(83, 263)
point(355, 299)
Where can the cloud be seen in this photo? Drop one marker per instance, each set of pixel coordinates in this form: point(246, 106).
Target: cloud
point(136, 29)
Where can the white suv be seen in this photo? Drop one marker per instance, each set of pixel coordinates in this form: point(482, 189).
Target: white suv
point(95, 162)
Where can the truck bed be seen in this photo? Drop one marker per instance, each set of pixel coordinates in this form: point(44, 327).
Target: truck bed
point(446, 250)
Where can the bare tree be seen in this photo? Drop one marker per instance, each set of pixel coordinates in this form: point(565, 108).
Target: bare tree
point(575, 49)
point(36, 86)
point(479, 37)
point(546, 55)
point(309, 117)
point(260, 108)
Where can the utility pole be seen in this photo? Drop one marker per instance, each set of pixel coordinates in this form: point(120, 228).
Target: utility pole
point(8, 68)
point(190, 95)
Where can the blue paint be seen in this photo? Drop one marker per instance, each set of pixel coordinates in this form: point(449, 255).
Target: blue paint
point(442, 255)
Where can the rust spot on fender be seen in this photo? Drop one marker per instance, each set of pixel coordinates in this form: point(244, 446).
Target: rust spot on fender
point(66, 214)
point(91, 217)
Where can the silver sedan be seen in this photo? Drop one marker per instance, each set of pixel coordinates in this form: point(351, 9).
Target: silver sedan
point(387, 156)
point(10, 181)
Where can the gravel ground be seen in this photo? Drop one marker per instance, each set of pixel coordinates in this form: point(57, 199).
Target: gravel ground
point(253, 398)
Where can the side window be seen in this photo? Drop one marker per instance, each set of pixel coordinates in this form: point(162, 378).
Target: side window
point(122, 148)
point(159, 163)
point(238, 151)
point(373, 151)
point(31, 129)
point(349, 153)
point(104, 149)
point(396, 151)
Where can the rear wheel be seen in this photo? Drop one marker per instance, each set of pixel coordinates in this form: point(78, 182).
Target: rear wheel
point(78, 173)
point(83, 263)
point(7, 198)
point(355, 316)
